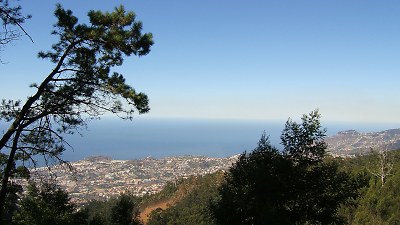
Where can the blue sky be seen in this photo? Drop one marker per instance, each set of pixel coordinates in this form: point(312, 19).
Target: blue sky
point(264, 60)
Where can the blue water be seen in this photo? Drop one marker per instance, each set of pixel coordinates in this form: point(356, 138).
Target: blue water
point(171, 137)
point(162, 137)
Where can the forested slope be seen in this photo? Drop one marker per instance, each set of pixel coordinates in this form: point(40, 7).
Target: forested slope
point(377, 204)
point(189, 201)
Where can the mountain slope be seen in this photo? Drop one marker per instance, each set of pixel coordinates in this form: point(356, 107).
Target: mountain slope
point(351, 142)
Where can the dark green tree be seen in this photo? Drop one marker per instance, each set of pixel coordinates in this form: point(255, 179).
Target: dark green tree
point(255, 188)
point(304, 143)
point(125, 211)
point(158, 217)
point(318, 187)
point(377, 204)
point(191, 201)
point(14, 189)
point(296, 186)
point(99, 212)
point(81, 86)
point(48, 204)
point(121, 210)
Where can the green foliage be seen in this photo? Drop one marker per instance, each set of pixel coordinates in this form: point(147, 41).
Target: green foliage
point(304, 143)
point(191, 207)
point(375, 204)
point(13, 189)
point(322, 190)
point(169, 191)
point(254, 188)
point(48, 204)
point(266, 186)
point(99, 212)
point(378, 204)
point(294, 187)
point(122, 210)
point(81, 86)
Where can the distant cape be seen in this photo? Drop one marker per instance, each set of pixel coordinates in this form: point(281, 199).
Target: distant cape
point(351, 142)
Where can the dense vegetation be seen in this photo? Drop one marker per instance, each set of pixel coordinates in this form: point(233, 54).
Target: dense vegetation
point(266, 186)
point(82, 85)
point(47, 204)
point(375, 205)
point(122, 210)
point(294, 186)
point(192, 207)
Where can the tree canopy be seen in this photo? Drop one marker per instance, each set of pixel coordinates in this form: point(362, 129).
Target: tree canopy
point(81, 86)
point(121, 210)
point(190, 201)
point(47, 204)
point(296, 186)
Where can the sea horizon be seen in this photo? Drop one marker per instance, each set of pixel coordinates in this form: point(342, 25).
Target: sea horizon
point(161, 137)
point(164, 137)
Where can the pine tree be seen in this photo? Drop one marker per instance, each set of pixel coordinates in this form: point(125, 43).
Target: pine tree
point(80, 87)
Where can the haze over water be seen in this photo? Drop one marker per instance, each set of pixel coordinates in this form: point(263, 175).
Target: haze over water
point(172, 137)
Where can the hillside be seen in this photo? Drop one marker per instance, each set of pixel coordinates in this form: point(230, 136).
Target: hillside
point(183, 202)
point(99, 178)
point(186, 202)
point(351, 142)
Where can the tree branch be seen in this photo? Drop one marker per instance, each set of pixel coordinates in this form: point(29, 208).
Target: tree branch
point(15, 22)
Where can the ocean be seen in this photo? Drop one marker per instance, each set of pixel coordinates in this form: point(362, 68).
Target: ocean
point(172, 137)
point(149, 137)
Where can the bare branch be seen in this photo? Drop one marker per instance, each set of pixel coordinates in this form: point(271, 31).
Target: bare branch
point(384, 165)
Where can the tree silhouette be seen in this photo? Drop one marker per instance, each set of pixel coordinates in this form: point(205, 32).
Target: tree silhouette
point(254, 191)
point(125, 211)
point(12, 20)
point(47, 204)
point(304, 143)
point(82, 86)
point(296, 186)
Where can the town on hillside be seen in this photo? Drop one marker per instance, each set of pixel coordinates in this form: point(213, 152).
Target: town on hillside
point(100, 178)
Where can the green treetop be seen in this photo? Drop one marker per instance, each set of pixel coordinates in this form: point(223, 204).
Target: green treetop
point(81, 86)
point(296, 186)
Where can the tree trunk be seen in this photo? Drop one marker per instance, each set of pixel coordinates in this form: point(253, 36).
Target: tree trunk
point(7, 173)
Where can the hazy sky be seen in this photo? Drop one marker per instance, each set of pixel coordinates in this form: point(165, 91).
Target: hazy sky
point(243, 59)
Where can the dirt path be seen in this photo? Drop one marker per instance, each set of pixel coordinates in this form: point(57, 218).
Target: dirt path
point(144, 214)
